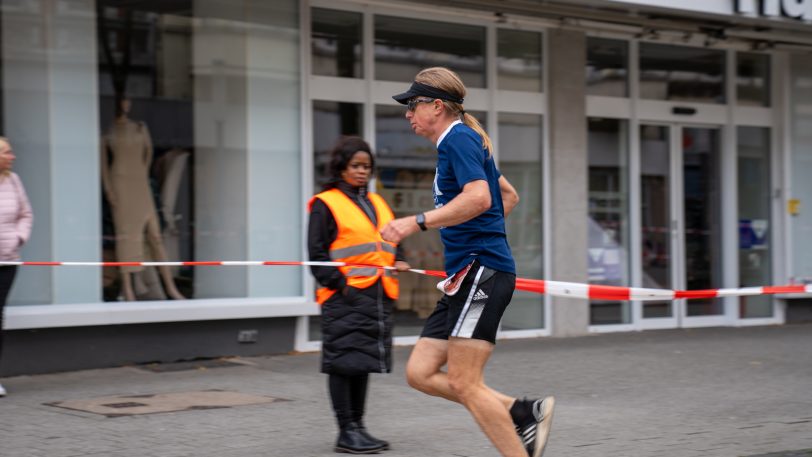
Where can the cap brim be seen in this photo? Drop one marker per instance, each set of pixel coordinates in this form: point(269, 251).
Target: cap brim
point(403, 98)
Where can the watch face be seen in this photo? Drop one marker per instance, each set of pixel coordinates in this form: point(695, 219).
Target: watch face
point(421, 221)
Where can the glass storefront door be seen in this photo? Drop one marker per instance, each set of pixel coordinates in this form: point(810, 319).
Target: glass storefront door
point(681, 220)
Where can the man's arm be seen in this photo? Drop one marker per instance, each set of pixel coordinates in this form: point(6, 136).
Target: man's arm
point(510, 198)
point(474, 200)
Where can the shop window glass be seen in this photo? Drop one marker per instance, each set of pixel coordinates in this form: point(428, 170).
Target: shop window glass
point(331, 121)
point(608, 216)
point(336, 44)
point(181, 100)
point(519, 60)
point(406, 166)
point(682, 73)
point(520, 149)
point(405, 46)
point(607, 67)
point(755, 230)
point(702, 213)
point(147, 146)
point(656, 181)
point(753, 79)
point(800, 103)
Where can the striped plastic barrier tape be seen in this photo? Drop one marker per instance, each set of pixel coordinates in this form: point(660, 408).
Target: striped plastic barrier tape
point(540, 286)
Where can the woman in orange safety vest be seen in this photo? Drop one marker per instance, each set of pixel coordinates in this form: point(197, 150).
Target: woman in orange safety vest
point(357, 301)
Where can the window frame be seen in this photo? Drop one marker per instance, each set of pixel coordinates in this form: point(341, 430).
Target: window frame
point(728, 117)
point(370, 92)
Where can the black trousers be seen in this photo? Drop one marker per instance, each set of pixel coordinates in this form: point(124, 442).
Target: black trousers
point(7, 274)
point(348, 394)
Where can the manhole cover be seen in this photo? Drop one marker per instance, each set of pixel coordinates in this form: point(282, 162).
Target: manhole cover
point(190, 365)
point(162, 403)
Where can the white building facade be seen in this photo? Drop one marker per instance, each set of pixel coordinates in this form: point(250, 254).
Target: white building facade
point(662, 143)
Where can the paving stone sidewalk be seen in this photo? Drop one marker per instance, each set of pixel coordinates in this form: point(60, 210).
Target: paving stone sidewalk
point(700, 392)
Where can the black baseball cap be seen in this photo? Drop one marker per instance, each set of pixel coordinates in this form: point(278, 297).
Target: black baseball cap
point(417, 89)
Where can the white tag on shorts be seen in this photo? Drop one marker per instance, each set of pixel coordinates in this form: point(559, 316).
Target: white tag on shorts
point(451, 285)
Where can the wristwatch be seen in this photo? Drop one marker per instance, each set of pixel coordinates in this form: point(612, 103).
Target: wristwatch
point(421, 221)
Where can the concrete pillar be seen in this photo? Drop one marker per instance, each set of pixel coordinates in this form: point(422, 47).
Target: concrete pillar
point(568, 175)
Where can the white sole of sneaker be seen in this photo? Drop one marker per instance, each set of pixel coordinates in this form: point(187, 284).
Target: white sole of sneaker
point(543, 427)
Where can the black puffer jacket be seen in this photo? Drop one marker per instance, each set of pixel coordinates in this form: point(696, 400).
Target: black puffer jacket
point(356, 328)
point(357, 332)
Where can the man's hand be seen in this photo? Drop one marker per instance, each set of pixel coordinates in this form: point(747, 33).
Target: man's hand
point(401, 265)
point(398, 229)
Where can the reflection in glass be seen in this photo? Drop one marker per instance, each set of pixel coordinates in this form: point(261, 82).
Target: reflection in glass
point(608, 219)
point(520, 158)
point(203, 102)
point(703, 214)
point(147, 151)
point(755, 267)
point(800, 104)
point(336, 43)
point(607, 67)
point(519, 60)
point(331, 121)
point(682, 73)
point(406, 164)
point(655, 215)
point(753, 79)
point(405, 46)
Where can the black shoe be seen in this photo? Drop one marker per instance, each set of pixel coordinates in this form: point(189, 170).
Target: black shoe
point(352, 441)
point(363, 430)
point(534, 434)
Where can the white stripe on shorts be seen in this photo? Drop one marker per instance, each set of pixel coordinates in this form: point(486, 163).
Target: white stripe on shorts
point(466, 323)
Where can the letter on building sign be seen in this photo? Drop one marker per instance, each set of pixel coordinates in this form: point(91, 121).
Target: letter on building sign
point(796, 9)
point(800, 9)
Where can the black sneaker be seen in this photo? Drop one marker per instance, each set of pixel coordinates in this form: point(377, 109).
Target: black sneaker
point(534, 434)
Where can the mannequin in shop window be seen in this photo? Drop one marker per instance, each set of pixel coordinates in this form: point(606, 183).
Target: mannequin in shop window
point(126, 157)
point(171, 172)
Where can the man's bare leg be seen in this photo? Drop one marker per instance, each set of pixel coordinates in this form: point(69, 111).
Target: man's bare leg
point(424, 371)
point(466, 364)
point(424, 374)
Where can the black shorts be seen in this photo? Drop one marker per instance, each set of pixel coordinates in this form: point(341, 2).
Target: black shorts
point(476, 309)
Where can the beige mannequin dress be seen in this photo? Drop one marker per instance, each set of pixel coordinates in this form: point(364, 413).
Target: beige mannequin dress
point(126, 184)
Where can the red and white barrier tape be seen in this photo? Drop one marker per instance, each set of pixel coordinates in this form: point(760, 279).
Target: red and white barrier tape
point(541, 286)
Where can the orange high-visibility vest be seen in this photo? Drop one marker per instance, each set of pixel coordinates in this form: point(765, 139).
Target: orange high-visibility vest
point(359, 242)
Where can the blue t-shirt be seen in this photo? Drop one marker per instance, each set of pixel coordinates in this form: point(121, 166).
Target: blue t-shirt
point(461, 159)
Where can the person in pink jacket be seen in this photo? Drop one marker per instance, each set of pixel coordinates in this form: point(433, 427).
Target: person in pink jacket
point(15, 226)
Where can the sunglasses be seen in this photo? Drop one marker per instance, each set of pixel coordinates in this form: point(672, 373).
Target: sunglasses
point(412, 104)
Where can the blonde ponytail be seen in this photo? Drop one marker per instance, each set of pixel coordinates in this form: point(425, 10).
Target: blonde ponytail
point(472, 122)
point(448, 81)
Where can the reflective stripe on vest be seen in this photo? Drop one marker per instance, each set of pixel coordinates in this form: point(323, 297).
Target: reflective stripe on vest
point(359, 249)
point(359, 242)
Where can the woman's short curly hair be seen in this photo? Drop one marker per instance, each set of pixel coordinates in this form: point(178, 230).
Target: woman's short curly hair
point(340, 157)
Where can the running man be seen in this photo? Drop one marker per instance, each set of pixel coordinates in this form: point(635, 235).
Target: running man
point(471, 201)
